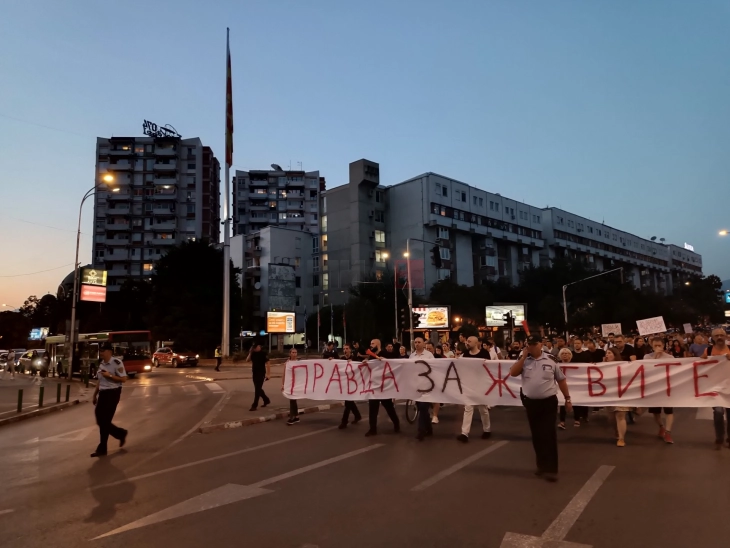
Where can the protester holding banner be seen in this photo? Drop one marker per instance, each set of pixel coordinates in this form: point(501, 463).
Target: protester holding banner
point(473, 350)
point(350, 406)
point(293, 406)
point(374, 405)
point(613, 354)
point(665, 430)
point(719, 348)
point(424, 421)
point(697, 348)
point(566, 356)
point(593, 354)
point(541, 378)
point(641, 347)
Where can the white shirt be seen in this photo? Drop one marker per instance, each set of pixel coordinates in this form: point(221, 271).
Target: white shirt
point(424, 355)
point(494, 353)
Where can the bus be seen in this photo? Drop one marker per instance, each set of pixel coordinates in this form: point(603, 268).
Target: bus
point(134, 348)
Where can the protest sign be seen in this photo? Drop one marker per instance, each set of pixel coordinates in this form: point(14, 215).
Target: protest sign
point(608, 328)
point(687, 328)
point(672, 382)
point(651, 326)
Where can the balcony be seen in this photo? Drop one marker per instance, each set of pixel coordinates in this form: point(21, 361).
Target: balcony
point(118, 272)
point(295, 220)
point(116, 241)
point(259, 182)
point(117, 226)
point(167, 152)
point(163, 241)
point(295, 206)
point(162, 212)
point(165, 196)
point(120, 166)
point(167, 225)
point(121, 152)
point(118, 196)
point(164, 181)
point(165, 167)
point(118, 210)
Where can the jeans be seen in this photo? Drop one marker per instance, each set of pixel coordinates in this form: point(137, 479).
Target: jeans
point(541, 415)
point(469, 413)
point(424, 420)
point(106, 406)
point(718, 416)
point(350, 407)
point(293, 409)
point(258, 385)
point(580, 413)
point(374, 408)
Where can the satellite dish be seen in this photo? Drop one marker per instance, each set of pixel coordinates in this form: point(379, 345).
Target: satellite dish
point(276, 167)
point(653, 238)
point(661, 239)
point(257, 285)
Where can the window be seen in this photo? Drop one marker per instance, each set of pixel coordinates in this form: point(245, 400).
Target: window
point(315, 245)
point(444, 191)
point(590, 229)
point(474, 199)
point(324, 204)
point(325, 281)
point(380, 256)
point(443, 211)
point(443, 273)
point(496, 207)
point(324, 223)
point(379, 196)
point(491, 205)
point(298, 281)
point(148, 207)
point(438, 189)
point(312, 193)
point(324, 242)
point(445, 253)
point(443, 233)
point(325, 257)
point(272, 205)
point(481, 202)
point(315, 280)
point(380, 236)
point(282, 216)
point(463, 196)
point(378, 274)
point(100, 254)
point(379, 216)
point(191, 166)
point(147, 267)
point(461, 215)
point(190, 209)
point(315, 300)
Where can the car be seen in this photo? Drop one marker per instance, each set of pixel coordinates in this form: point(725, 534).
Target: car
point(32, 361)
point(167, 356)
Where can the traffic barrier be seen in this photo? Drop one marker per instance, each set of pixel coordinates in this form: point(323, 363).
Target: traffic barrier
point(20, 400)
point(58, 393)
point(68, 391)
point(40, 396)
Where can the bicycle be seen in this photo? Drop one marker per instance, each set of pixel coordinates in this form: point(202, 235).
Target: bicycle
point(411, 411)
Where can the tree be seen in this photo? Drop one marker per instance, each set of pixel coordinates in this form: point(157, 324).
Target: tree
point(371, 311)
point(186, 304)
point(14, 330)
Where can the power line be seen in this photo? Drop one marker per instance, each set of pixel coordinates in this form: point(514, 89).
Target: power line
point(43, 125)
point(41, 224)
point(39, 272)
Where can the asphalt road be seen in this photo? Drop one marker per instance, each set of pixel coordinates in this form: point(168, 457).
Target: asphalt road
point(312, 485)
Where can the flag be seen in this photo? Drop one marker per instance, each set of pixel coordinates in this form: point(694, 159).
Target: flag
point(344, 321)
point(229, 104)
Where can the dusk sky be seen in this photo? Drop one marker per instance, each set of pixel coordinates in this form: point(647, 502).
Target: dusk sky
point(618, 111)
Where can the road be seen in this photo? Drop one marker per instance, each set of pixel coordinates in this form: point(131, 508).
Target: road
point(312, 485)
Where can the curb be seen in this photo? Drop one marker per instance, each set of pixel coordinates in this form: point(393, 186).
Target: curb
point(39, 412)
point(256, 420)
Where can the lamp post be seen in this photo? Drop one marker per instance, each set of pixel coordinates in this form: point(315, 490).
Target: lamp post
point(407, 254)
point(565, 303)
point(108, 179)
point(10, 306)
point(724, 232)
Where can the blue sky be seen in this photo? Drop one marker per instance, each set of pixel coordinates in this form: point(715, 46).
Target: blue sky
point(618, 111)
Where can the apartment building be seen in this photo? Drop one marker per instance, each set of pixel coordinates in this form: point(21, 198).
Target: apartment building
point(168, 193)
point(281, 198)
point(684, 263)
point(277, 269)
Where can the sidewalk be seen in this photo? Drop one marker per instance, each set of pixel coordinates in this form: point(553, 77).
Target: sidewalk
point(234, 409)
point(31, 397)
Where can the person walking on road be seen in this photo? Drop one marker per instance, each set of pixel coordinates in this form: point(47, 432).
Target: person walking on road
point(541, 378)
point(10, 364)
point(373, 404)
point(218, 358)
point(718, 348)
point(110, 378)
point(350, 406)
point(473, 350)
point(665, 430)
point(425, 426)
point(260, 370)
point(293, 407)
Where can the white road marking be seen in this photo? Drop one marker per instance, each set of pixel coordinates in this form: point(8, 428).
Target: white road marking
point(704, 413)
point(191, 389)
point(3, 512)
point(27, 464)
point(228, 494)
point(558, 529)
point(74, 435)
point(213, 459)
point(214, 387)
point(138, 393)
point(164, 390)
point(458, 466)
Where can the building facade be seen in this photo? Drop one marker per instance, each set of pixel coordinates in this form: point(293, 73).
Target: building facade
point(168, 193)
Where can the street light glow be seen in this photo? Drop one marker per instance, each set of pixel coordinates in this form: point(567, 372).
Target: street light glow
point(723, 233)
point(115, 189)
point(686, 283)
point(384, 255)
point(405, 254)
point(108, 178)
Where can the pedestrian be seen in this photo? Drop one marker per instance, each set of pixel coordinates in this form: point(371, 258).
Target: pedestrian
point(218, 358)
point(697, 348)
point(10, 364)
point(461, 345)
point(613, 354)
point(330, 351)
point(390, 353)
point(293, 407)
point(474, 351)
point(373, 404)
point(350, 406)
point(665, 430)
point(566, 356)
point(541, 378)
point(110, 378)
point(402, 353)
point(260, 370)
point(425, 427)
point(719, 347)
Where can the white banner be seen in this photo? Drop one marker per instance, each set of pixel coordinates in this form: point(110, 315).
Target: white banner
point(608, 328)
point(651, 326)
point(681, 382)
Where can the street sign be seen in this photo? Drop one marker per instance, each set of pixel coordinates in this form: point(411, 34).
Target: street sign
point(280, 322)
point(91, 276)
point(93, 293)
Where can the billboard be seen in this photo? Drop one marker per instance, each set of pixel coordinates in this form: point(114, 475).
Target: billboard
point(495, 314)
point(280, 322)
point(431, 317)
point(93, 293)
point(91, 276)
point(38, 333)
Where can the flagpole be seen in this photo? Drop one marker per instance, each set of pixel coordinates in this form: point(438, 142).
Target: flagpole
point(226, 343)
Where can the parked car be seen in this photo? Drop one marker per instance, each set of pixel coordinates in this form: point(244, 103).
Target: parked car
point(32, 361)
point(167, 356)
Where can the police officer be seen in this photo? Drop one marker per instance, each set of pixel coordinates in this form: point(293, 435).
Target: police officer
point(218, 358)
point(110, 376)
point(541, 378)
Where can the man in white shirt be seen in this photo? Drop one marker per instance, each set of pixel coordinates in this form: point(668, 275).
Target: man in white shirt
point(425, 427)
point(473, 351)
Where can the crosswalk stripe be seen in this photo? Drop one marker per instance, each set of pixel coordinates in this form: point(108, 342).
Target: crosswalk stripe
point(138, 393)
point(214, 387)
point(164, 391)
point(191, 389)
point(704, 413)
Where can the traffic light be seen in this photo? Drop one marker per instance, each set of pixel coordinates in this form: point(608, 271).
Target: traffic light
point(416, 319)
point(436, 256)
point(402, 319)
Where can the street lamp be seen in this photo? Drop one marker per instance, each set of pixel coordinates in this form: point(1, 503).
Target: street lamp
point(687, 283)
point(724, 232)
point(107, 179)
point(10, 306)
